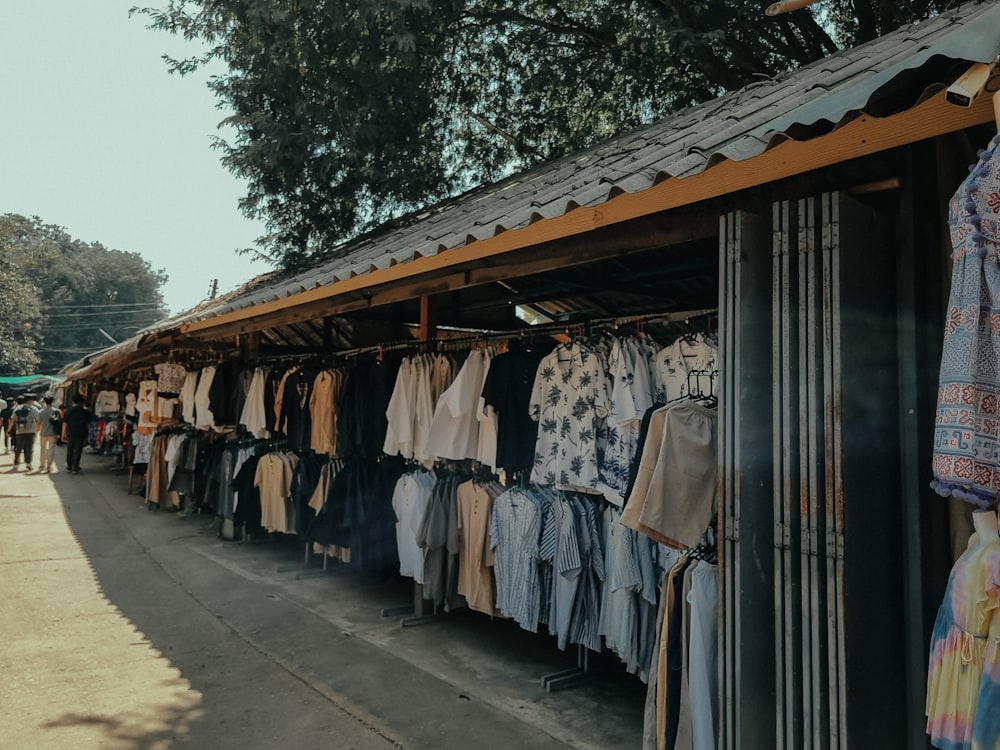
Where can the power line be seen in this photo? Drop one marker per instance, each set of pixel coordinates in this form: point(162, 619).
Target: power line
point(72, 329)
point(99, 306)
point(67, 352)
point(74, 316)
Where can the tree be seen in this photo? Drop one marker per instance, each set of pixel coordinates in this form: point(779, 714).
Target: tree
point(64, 292)
point(349, 112)
point(20, 315)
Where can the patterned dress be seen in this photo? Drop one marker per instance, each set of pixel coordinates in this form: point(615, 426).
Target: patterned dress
point(966, 459)
point(964, 670)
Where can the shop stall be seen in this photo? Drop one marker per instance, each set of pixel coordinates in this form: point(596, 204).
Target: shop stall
point(676, 388)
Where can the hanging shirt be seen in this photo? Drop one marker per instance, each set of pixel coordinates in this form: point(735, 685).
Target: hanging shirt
point(507, 390)
point(409, 502)
point(203, 411)
point(323, 411)
point(476, 556)
point(454, 431)
point(674, 364)
point(129, 404)
point(399, 413)
point(630, 398)
point(254, 415)
point(570, 401)
point(107, 402)
point(433, 377)
point(673, 497)
point(188, 390)
point(294, 419)
point(486, 448)
point(145, 405)
point(170, 377)
point(273, 477)
point(514, 535)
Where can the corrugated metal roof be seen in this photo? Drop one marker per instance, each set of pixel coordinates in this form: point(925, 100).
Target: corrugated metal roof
point(737, 126)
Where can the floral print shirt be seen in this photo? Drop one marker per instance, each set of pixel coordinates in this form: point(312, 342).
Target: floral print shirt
point(570, 402)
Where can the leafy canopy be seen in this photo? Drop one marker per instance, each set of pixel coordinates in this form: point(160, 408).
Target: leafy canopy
point(57, 294)
point(347, 113)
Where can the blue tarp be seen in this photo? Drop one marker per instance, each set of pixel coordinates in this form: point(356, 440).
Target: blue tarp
point(22, 383)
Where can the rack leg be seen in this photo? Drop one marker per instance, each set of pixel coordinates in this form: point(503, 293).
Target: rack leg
point(418, 610)
point(570, 677)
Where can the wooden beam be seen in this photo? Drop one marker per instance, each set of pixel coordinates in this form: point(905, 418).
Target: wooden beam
point(428, 318)
point(862, 136)
point(328, 333)
point(648, 233)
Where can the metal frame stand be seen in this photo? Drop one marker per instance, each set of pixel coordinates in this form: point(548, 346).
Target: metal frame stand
point(570, 677)
point(418, 609)
point(314, 573)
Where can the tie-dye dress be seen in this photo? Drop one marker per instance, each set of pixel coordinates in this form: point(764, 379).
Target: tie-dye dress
point(963, 681)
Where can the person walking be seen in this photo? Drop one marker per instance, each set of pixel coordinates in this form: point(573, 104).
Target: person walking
point(75, 426)
point(5, 411)
point(25, 420)
point(49, 428)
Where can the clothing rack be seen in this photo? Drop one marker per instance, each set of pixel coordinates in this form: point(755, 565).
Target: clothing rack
point(583, 327)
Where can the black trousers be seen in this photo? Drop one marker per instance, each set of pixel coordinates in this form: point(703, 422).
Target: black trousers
point(24, 444)
point(74, 449)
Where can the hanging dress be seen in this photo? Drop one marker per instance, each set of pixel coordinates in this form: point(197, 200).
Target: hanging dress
point(964, 668)
point(966, 460)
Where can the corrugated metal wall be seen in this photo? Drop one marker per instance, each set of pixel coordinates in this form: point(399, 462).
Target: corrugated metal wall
point(811, 457)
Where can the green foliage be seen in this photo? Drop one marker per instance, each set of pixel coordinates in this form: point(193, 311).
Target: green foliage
point(56, 293)
point(347, 113)
point(20, 315)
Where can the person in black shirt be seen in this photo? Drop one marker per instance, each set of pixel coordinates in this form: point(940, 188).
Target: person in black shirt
point(75, 426)
point(6, 410)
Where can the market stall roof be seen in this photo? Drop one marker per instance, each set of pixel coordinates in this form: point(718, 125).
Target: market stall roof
point(879, 95)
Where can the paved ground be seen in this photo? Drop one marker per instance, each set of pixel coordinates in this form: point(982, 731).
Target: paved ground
point(123, 629)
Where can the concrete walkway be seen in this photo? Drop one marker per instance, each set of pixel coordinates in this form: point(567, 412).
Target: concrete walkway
point(124, 629)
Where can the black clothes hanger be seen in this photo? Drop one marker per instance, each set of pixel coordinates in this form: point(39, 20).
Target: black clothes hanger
point(706, 549)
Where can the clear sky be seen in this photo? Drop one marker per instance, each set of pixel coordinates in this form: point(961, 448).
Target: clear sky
point(98, 138)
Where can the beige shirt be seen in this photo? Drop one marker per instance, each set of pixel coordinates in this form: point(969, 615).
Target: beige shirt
point(323, 411)
point(274, 478)
point(475, 572)
point(673, 500)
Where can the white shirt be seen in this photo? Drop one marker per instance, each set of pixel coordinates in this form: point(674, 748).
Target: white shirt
point(254, 416)
point(674, 362)
point(409, 501)
point(423, 410)
point(187, 395)
point(399, 413)
point(454, 431)
point(486, 450)
point(107, 403)
point(202, 411)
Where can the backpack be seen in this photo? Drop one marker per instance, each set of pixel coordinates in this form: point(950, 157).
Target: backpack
point(21, 415)
point(55, 419)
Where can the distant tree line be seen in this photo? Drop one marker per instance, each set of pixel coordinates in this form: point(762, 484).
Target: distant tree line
point(58, 293)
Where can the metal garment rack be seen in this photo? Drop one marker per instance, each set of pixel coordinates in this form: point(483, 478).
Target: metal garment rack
point(569, 678)
point(325, 570)
point(565, 327)
point(417, 611)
